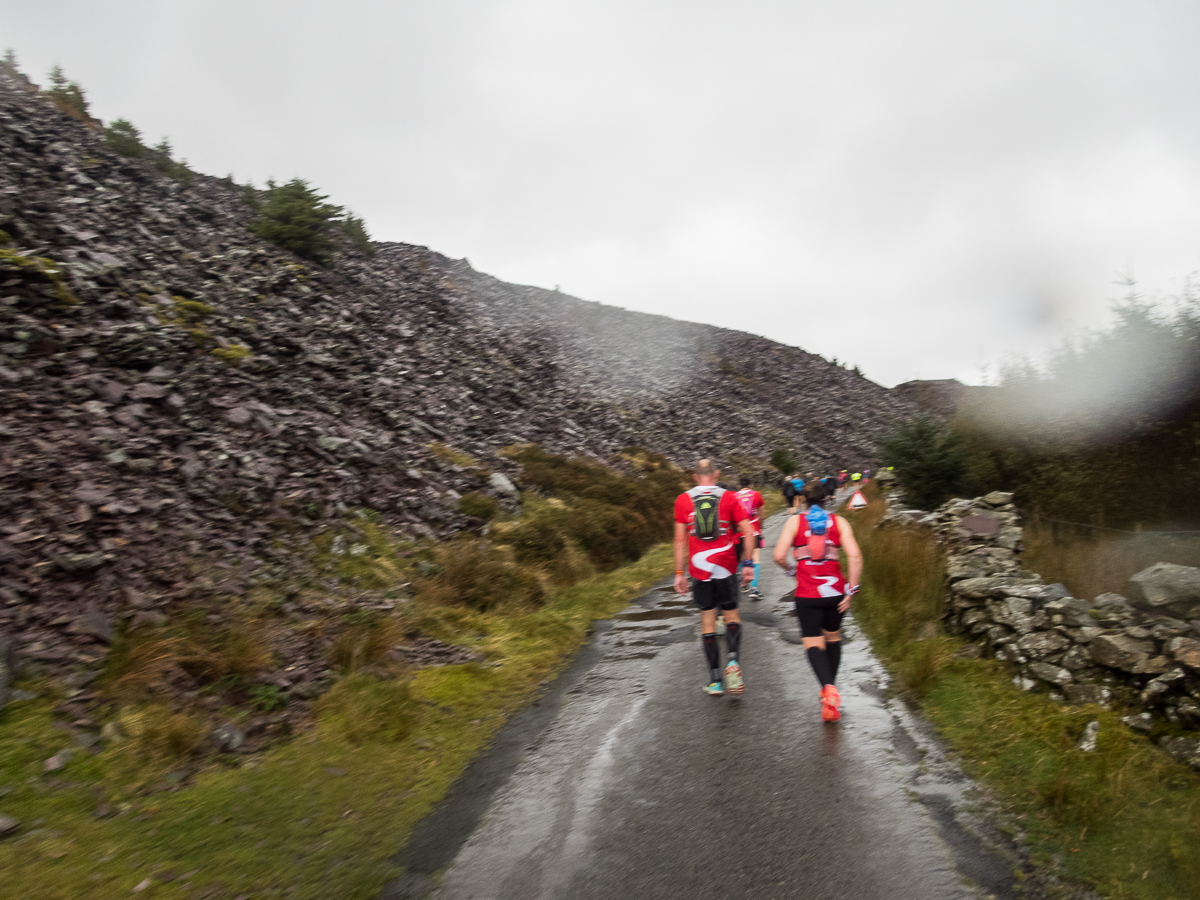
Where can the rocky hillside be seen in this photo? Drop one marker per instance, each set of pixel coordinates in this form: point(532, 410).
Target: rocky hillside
point(183, 404)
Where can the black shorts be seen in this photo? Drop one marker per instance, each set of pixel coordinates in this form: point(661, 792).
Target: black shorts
point(715, 592)
point(818, 615)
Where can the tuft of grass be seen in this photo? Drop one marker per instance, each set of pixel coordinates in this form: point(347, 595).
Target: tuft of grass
point(366, 708)
point(156, 734)
point(365, 643)
point(482, 577)
point(478, 505)
point(903, 587)
point(450, 455)
point(232, 355)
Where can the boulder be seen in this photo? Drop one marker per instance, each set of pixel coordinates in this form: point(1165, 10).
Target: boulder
point(1051, 673)
point(1143, 722)
point(997, 498)
point(1119, 651)
point(501, 484)
point(983, 588)
point(963, 567)
point(1015, 612)
point(1087, 743)
point(1166, 587)
point(1041, 643)
point(1160, 687)
point(1186, 650)
point(1076, 658)
point(1089, 693)
point(1185, 750)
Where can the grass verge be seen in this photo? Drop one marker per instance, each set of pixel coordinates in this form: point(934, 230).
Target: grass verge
point(1124, 818)
point(317, 817)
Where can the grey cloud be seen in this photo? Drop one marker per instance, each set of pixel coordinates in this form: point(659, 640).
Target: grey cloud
point(918, 188)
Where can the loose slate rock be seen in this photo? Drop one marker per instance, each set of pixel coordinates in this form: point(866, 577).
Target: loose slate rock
point(1166, 587)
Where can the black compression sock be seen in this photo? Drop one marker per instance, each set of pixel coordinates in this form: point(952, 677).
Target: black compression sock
point(833, 652)
point(712, 655)
point(820, 665)
point(733, 638)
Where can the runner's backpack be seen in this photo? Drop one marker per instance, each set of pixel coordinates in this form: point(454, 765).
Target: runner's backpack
point(746, 498)
point(818, 526)
point(706, 520)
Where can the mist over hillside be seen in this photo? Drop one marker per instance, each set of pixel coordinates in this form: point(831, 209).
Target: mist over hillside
point(185, 404)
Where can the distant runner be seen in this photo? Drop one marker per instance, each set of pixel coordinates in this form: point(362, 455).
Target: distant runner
point(752, 502)
point(708, 521)
point(808, 546)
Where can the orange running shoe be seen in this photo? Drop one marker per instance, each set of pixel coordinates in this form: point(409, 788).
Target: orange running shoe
point(831, 704)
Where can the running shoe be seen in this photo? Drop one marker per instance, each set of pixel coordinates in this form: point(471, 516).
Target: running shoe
point(755, 594)
point(831, 704)
point(720, 624)
point(714, 689)
point(733, 679)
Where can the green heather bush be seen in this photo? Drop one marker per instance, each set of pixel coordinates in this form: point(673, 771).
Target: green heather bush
point(610, 517)
point(296, 218)
point(481, 577)
point(481, 506)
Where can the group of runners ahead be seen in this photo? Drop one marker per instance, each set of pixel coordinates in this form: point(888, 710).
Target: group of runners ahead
point(718, 534)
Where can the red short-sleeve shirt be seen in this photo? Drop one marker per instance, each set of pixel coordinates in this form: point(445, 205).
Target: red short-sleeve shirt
point(716, 558)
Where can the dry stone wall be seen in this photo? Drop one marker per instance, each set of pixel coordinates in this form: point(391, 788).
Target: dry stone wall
point(1138, 652)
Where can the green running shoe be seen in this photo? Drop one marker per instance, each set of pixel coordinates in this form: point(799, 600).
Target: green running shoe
point(714, 689)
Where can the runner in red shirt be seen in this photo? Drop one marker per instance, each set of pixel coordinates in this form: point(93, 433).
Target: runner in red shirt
point(809, 546)
point(752, 502)
point(709, 522)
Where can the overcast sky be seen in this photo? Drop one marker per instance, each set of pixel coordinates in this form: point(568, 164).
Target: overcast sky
point(922, 187)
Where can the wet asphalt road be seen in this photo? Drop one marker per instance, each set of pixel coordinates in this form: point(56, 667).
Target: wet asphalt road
point(642, 786)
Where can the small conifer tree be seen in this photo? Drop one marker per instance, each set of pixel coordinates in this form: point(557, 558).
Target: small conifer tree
point(124, 138)
point(929, 459)
point(10, 62)
point(296, 218)
point(356, 230)
point(67, 95)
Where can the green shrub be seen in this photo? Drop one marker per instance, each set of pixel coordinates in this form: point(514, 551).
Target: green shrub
point(478, 505)
point(928, 458)
point(67, 95)
point(268, 697)
point(481, 577)
point(160, 155)
point(296, 218)
point(783, 460)
point(122, 137)
point(356, 230)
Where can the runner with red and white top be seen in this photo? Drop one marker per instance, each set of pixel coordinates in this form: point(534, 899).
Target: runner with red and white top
point(709, 523)
point(809, 546)
point(752, 502)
